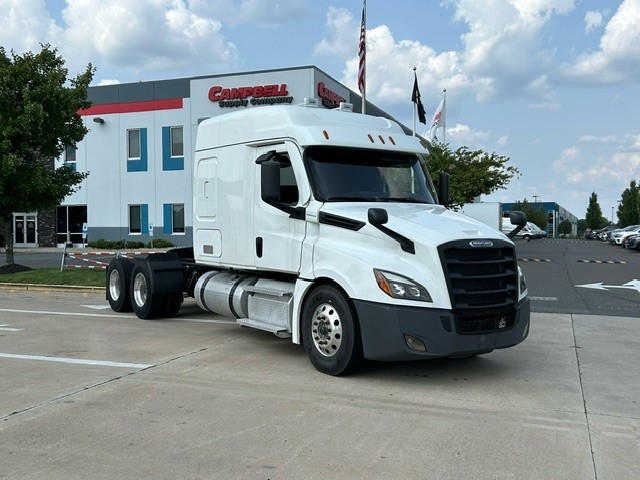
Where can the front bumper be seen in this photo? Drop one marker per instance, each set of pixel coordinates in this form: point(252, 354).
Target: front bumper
point(383, 327)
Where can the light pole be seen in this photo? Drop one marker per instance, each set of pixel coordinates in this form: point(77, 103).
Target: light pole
point(612, 215)
point(535, 199)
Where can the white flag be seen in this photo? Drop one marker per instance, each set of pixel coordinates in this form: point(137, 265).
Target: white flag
point(438, 119)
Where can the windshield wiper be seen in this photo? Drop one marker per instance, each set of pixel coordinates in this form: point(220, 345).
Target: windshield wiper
point(403, 200)
point(352, 199)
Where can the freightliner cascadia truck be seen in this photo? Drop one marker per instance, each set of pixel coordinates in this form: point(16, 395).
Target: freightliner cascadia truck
point(323, 226)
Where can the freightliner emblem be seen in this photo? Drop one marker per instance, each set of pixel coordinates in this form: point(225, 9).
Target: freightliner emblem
point(481, 243)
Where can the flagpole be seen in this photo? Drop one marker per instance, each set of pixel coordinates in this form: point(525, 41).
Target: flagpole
point(414, 109)
point(444, 122)
point(363, 34)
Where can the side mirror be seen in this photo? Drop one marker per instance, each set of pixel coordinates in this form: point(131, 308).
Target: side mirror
point(270, 181)
point(520, 220)
point(443, 188)
point(378, 216)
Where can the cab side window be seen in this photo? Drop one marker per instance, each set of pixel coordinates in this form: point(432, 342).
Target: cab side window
point(288, 185)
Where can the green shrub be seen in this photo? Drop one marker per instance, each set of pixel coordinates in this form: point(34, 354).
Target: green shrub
point(160, 243)
point(115, 244)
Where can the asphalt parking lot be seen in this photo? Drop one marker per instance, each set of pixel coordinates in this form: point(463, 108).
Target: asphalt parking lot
point(92, 394)
point(89, 393)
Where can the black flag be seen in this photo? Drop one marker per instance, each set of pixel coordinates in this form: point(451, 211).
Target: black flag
point(415, 98)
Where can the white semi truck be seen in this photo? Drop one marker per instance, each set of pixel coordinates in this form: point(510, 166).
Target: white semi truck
point(323, 226)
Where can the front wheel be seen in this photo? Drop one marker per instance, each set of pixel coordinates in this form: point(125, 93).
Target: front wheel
point(330, 332)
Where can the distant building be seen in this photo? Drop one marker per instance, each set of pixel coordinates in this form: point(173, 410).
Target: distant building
point(555, 215)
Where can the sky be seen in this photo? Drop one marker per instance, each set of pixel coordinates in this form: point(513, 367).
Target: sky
point(552, 84)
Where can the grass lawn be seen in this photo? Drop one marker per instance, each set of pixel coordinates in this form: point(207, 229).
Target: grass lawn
point(53, 276)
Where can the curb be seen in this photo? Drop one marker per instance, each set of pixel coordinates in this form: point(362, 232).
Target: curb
point(50, 288)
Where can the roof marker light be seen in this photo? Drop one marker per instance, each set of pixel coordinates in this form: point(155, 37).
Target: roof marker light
point(310, 102)
point(326, 134)
point(381, 139)
point(345, 107)
point(392, 140)
point(370, 138)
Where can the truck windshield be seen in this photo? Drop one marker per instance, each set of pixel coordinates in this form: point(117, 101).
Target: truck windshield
point(356, 175)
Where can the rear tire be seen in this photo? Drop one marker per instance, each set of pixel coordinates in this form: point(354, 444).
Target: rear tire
point(142, 300)
point(118, 278)
point(330, 332)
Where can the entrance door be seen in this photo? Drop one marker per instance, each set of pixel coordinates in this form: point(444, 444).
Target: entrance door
point(25, 229)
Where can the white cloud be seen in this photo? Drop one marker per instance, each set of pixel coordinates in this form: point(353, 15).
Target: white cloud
point(25, 24)
point(465, 135)
point(264, 13)
point(504, 49)
point(145, 35)
point(390, 63)
point(617, 59)
point(343, 32)
point(597, 139)
point(573, 168)
point(592, 20)
point(108, 81)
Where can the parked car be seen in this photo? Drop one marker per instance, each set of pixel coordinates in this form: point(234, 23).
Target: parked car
point(619, 237)
point(601, 233)
point(536, 230)
point(633, 242)
point(627, 241)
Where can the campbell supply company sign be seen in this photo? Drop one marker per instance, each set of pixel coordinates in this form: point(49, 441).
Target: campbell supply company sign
point(330, 99)
point(255, 95)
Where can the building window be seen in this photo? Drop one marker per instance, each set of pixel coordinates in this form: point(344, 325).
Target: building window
point(137, 150)
point(173, 218)
point(139, 219)
point(70, 157)
point(135, 219)
point(178, 218)
point(172, 148)
point(133, 144)
point(177, 145)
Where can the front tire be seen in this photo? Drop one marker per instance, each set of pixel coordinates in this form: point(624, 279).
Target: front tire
point(330, 332)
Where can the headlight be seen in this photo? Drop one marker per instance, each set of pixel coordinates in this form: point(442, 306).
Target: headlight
point(397, 286)
point(522, 284)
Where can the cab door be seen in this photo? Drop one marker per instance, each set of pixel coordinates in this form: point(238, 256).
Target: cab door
point(279, 235)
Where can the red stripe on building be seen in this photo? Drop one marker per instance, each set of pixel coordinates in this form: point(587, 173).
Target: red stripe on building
point(130, 107)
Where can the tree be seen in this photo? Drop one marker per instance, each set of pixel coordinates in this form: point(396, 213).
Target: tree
point(535, 214)
point(38, 120)
point(564, 228)
point(629, 207)
point(473, 172)
point(594, 217)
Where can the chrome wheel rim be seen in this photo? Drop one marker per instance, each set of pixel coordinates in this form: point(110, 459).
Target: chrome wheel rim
point(115, 287)
point(326, 329)
point(140, 289)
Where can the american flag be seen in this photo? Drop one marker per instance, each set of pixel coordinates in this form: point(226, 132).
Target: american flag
point(362, 51)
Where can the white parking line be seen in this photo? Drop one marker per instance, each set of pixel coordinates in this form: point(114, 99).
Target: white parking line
point(77, 361)
point(545, 299)
point(6, 328)
point(106, 315)
point(66, 314)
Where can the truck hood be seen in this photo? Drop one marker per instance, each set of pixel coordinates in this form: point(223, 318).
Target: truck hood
point(422, 223)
